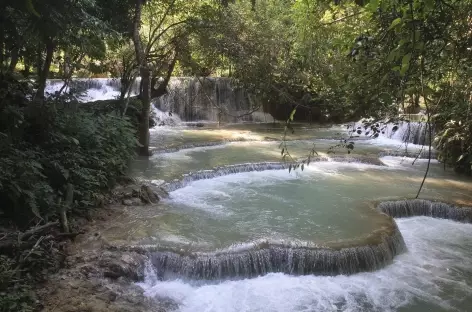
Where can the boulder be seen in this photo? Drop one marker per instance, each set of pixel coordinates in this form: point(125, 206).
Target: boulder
point(129, 266)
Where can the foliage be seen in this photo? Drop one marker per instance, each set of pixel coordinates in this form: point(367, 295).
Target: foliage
point(44, 148)
point(17, 298)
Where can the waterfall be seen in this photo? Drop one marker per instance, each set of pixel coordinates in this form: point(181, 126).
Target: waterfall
point(404, 131)
point(93, 89)
point(422, 207)
point(410, 132)
point(266, 258)
point(164, 118)
point(296, 258)
point(208, 99)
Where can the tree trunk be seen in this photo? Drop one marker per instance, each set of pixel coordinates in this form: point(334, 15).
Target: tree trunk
point(14, 59)
point(26, 71)
point(145, 81)
point(145, 112)
point(2, 40)
point(45, 70)
point(162, 89)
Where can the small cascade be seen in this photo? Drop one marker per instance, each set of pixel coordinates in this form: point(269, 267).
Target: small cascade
point(263, 166)
point(405, 132)
point(260, 258)
point(164, 118)
point(410, 132)
point(92, 89)
point(422, 207)
point(209, 99)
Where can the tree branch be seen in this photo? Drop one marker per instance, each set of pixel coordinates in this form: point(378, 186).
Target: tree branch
point(171, 5)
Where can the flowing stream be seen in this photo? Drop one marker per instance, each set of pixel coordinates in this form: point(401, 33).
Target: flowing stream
point(241, 232)
point(235, 201)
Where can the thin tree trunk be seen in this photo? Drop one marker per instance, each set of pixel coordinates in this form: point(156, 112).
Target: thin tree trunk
point(2, 40)
point(45, 70)
point(145, 82)
point(128, 91)
point(66, 206)
point(145, 112)
point(26, 71)
point(14, 59)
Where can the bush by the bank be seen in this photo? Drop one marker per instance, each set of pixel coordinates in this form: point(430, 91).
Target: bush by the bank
point(46, 146)
point(43, 148)
point(453, 139)
point(133, 111)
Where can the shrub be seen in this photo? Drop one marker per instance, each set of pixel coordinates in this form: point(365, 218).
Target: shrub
point(43, 148)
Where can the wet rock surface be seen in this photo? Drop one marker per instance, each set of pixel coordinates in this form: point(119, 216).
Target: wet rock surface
point(97, 278)
point(136, 194)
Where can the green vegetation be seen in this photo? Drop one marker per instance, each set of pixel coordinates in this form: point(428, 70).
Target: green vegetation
point(302, 60)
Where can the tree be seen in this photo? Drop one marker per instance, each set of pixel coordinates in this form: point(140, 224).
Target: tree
point(160, 32)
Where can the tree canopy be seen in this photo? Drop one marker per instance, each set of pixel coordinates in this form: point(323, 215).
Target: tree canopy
point(336, 60)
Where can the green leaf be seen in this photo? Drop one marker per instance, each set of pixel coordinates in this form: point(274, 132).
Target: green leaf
point(395, 22)
point(75, 141)
point(392, 55)
point(30, 8)
point(405, 63)
point(374, 3)
point(429, 4)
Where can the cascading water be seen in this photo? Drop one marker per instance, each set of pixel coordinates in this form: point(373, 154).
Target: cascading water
point(209, 99)
point(91, 89)
point(404, 132)
point(410, 132)
point(164, 118)
point(434, 275)
point(421, 207)
point(238, 231)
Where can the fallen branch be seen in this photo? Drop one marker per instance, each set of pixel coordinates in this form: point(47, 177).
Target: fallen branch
point(36, 230)
point(22, 238)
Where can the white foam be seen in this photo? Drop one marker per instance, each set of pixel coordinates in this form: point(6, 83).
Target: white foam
point(435, 270)
point(165, 118)
point(405, 163)
point(105, 92)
